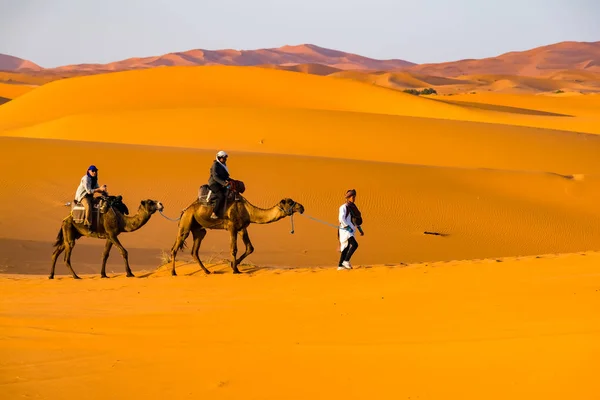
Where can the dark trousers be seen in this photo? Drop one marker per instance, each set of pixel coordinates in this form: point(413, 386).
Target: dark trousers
point(217, 197)
point(349, 250)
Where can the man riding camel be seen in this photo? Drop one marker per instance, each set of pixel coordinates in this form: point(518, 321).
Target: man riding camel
point(85, 193)
point(219, 181)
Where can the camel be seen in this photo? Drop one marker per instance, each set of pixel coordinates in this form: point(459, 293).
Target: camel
point(236, 219)
point(112, 222)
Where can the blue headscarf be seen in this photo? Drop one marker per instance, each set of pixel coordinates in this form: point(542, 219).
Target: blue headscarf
point(93, 178)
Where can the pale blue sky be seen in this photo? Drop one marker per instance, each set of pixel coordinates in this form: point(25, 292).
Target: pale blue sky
point(58, 32)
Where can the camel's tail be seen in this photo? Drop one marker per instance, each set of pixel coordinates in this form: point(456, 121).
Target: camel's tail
point(59, 238)
point(182, 245)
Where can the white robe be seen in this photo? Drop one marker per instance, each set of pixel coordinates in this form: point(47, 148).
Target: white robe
point(344, 222)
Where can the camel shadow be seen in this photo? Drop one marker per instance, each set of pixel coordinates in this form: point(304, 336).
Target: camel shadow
point(218, 272)
point(226, 270)
point(251, 269)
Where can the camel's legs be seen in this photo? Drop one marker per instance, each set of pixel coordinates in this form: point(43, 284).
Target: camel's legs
point(233, 234)
point(105, 255)
point(69, 244)
point(59, 249)
point(117, 243)
point(248, 243)
point(184, 231)
point(198, 234)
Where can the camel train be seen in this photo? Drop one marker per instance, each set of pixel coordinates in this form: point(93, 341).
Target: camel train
point(108, 217)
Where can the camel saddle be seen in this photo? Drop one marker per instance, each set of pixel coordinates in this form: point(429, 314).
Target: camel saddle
point(233, 193)
point(78, 212)
point(100, 206)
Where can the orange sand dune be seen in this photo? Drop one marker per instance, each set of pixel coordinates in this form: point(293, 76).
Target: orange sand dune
point(586, 82)
point(498, 83)
point(201, 87)
point(11, 91)
point(585, 107)
point(187, 87)
point(517, 329)
point(399, 79)
point(25, 78)
point(388, 138)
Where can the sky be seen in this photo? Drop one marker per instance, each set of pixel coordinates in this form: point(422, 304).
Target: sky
point(59, 32)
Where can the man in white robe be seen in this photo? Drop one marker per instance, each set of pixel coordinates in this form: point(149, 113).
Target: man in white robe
point(348, 243)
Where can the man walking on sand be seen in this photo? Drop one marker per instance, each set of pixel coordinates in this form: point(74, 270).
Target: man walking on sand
point(348, 243)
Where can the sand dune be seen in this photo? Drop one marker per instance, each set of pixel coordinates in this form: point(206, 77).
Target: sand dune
point(204, 87)
point(301, 54)
point(564, 81)
point(187, 87)
point(499, 83)
point(11, 63)
point(525, 328)
point(382, 138)
point(590, 78)
point(11, 91)
point(541, 61)
point(22, 78)
point(313, 69)
point(579, 106)
point(399, 79)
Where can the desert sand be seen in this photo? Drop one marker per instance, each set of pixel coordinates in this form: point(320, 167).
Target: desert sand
point(521, 329)
point(11, 91)
point(501, 303)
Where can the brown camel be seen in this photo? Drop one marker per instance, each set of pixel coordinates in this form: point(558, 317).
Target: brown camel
point(238, 216)
point(112, 222)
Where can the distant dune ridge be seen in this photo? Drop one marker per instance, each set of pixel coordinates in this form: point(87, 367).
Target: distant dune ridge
point(301, 54)
point(540, 61)
point(566, 67)
point(11, 63)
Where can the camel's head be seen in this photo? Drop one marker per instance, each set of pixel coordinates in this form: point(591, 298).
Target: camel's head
point(289, 206)
point(151, 206)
